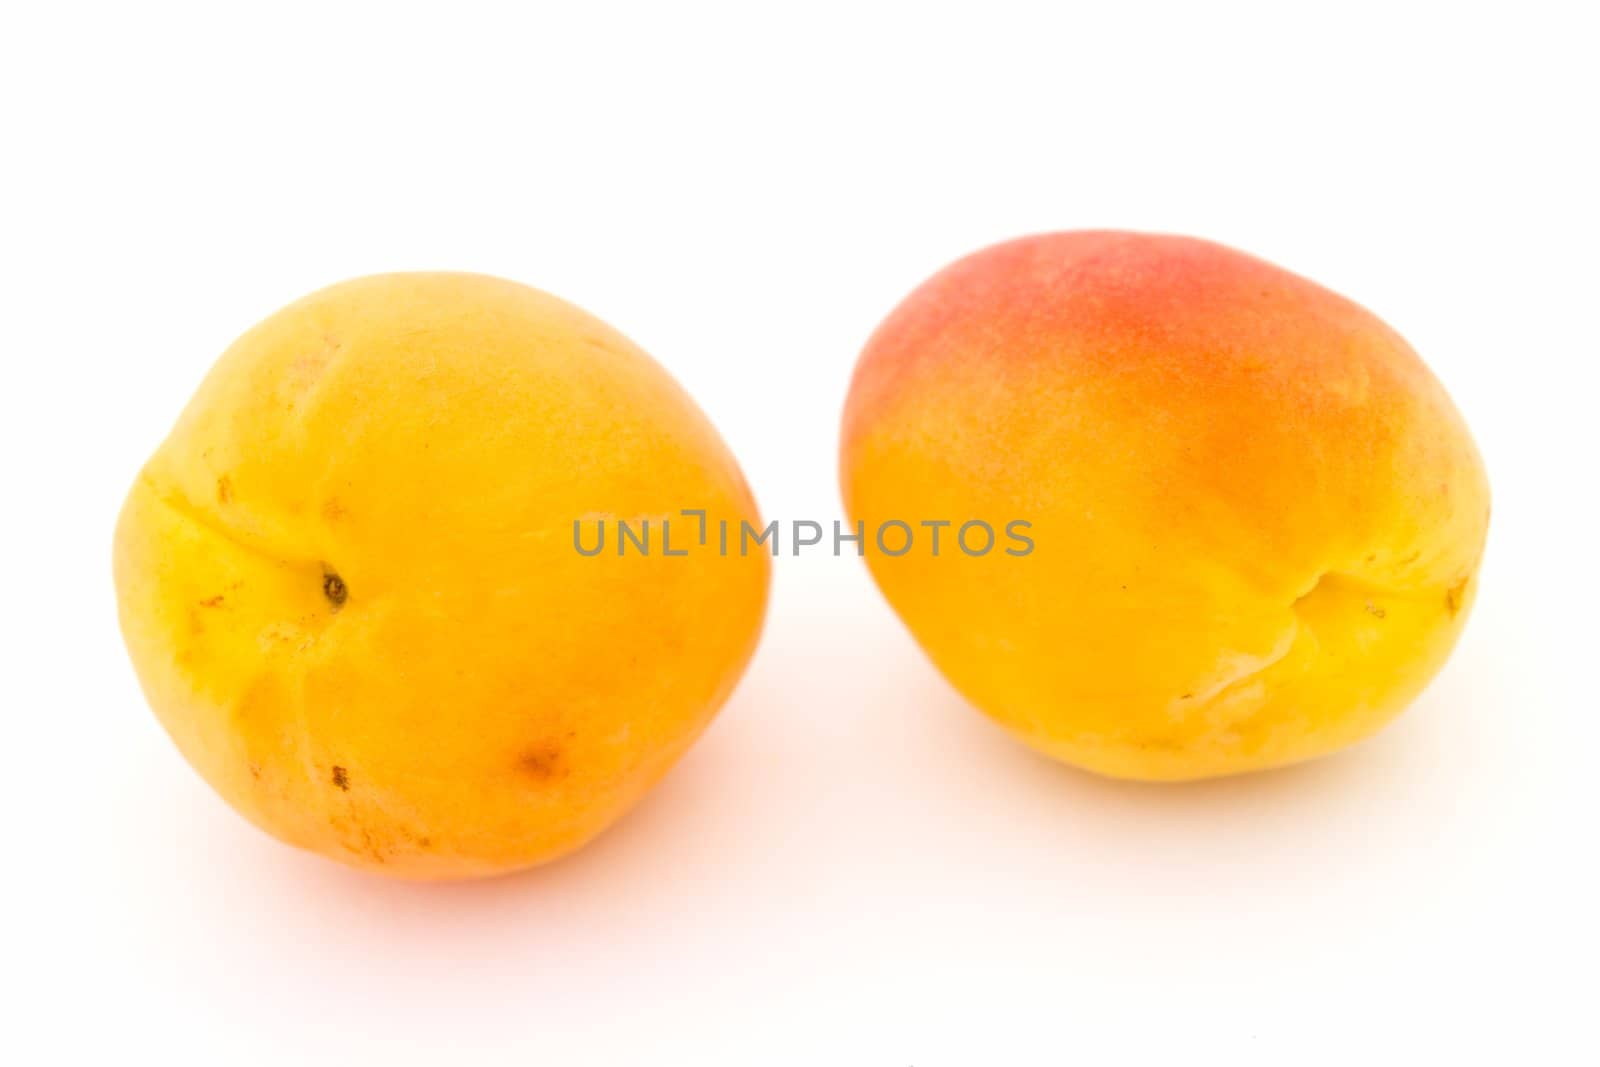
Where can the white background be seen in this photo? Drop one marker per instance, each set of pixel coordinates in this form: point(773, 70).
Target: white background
point(852, 867)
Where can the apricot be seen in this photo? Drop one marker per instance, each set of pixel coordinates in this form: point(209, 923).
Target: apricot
point(349, 584)
point(1256, 518)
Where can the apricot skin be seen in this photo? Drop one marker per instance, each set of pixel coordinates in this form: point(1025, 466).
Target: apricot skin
point(349, 587)
point(1257, 516)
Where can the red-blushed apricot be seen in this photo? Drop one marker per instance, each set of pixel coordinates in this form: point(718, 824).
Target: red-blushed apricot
point(1256, 517)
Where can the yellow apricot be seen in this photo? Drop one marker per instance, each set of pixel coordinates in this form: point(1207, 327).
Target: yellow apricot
point(350, 585)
